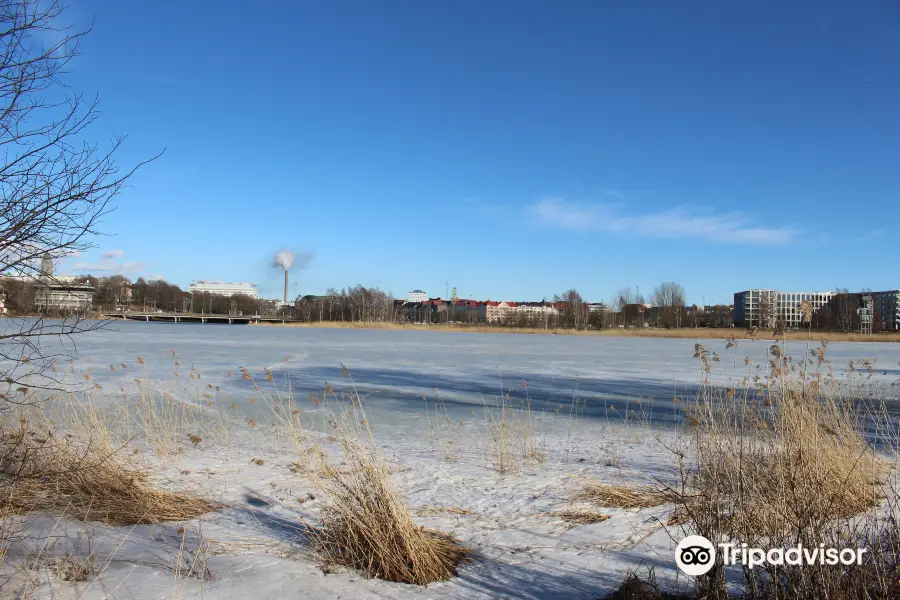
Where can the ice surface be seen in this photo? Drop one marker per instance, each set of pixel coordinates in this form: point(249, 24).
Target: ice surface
point(399, 368)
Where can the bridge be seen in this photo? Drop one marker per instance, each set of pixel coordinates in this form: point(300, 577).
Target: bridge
point(170, 317)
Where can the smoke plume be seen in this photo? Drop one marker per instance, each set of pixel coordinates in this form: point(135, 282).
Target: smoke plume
point(284, 259)
point(287, 259)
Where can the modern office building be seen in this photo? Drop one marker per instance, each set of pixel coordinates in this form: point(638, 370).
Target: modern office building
point(416, 296)
point(765, 308)
point(887, 310)
point(224, 288)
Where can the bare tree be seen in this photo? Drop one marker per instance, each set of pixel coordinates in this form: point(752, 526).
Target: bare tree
point(668, 298)
point(768, 311)
point(572, 309)
point(624, 297)
point(54, 186)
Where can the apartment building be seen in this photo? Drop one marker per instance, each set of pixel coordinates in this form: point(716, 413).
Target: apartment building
point(765, 308)
point(886, 306)
point(468, 311)
point(501, 312)
point(416, 296)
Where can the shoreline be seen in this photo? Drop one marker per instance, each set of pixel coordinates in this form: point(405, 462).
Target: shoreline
point(720, 333)
point(715, 333)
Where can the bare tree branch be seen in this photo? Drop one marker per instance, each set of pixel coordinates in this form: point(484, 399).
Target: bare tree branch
point(55, 187)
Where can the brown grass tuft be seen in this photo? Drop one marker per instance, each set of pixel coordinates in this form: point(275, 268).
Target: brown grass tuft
point(804, 464)
point(792, 464)
point(635, 587)
point(83, 480)
point(575, 516)
point(622, 496)
point(367, 526)
point(67, 568)
point(428, 511)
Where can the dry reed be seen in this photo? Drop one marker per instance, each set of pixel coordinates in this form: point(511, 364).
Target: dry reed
point(366, 525)
point(429, 511)
point(791, 465)
point(622, 496)
point(85, 480)
point(636, 587)
point(578, 516)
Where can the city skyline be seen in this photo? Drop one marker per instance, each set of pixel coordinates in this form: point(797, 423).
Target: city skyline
point(516, 151)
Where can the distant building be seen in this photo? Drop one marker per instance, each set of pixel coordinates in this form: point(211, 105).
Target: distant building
point(60, 295)
point(468, 311)
point(416, 296)
point(63, 298)
point(887, 310)
point(224, 288)
point(765, 308)
point(719, 315)
point(863, 311)
point(500, 312)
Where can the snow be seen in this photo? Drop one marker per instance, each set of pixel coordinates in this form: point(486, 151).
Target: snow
point(255, 545)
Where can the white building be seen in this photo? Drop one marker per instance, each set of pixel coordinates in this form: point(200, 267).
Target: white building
point(416, 296)
point(764, 308)
point(498, 312)
point(59, 298)
point(224, 288)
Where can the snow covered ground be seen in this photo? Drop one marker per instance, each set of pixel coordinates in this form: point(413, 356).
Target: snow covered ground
point(255, 545)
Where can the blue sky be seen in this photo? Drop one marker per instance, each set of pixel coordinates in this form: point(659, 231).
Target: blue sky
point(514, 148)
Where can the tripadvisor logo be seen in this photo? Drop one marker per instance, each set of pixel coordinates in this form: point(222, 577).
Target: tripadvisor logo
point(696, 555)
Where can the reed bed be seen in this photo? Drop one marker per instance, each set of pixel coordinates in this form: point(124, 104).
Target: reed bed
point(790, 462)
point(82, 479)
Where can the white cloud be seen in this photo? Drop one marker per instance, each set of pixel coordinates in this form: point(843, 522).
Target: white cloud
point(113, 253)
point(680, 222)
point(74, 254)
point(157, 277)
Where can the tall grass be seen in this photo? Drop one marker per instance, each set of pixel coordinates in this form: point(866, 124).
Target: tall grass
point(80, 472)
point(364, 521)
point(511, 432)
point(366, 525)
point(789, 463)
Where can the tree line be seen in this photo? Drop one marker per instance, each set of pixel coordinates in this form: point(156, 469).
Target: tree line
point(363, 304)
point(359, 303)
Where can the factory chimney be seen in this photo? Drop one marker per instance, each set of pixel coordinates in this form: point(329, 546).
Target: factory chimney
point(285, 259)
